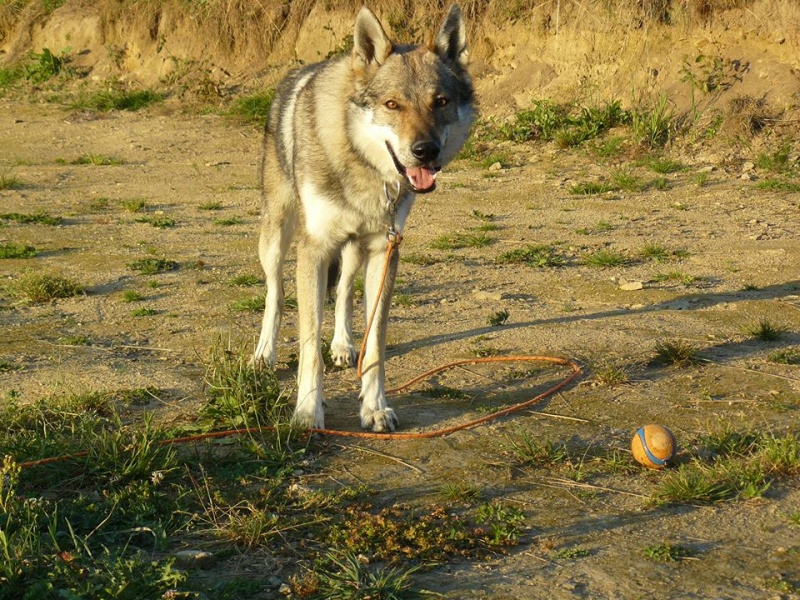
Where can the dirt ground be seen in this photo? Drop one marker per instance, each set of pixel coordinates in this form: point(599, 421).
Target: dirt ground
point(739, 262)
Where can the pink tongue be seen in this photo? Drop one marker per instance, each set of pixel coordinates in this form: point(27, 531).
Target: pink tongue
point(422, 178)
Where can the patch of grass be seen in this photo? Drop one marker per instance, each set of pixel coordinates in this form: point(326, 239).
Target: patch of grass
point(151, 266)
point(246, 280)
point(660, 183)
point(347, 577)
point(528, 451)
point(625, 180)
point(40, 287)
point(143, 312)
point(44, 65)
point(675, 352)
point(249, 304)
point(666, 552)
point(785, 356)
point(533, 255)
point(765, 330)
point(675, 277)
point(12, 250)
point(252, 108)
point(443, 391)
point(132, 296)
point(98, 160)
point(456, 241)
point(610, 147)
point(776, 161)
point(609, 375)
point(664, 166)
point(461, 491)
point(605, 258)
point(10, 182)
point(37, 218)
point(778, 185)
point(74, 340)
point(213, 205)
point(134, 204)
point(745, 464)
point(652, 125)
point(117, 99)
point(158, 221)
point(571, 553)
point(591, 188)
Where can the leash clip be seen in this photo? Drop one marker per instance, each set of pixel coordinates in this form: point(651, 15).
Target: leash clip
point(392, 235)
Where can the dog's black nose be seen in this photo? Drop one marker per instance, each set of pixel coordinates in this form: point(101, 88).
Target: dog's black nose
point(425, 151)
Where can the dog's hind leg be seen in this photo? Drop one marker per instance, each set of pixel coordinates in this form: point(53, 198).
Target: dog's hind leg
point(312, 273)
point(277, 227)
point(343, 351)
point(375, 413)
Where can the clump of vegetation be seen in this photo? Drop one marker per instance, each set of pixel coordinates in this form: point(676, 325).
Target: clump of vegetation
point(151, 266)
point(456, 241)
point(679, 353)
point(37, 218)
point(765, 330)
point(252, 108)
point(566, 125)
point(667, 552)
point(533, 255)
point(41, 287)
point(117, 99)
point(605, 258)
point(12, 250)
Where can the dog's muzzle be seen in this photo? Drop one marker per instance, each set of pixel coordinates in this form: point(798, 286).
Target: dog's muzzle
point(422, 178)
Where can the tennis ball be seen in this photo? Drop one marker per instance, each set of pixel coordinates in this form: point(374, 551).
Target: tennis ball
point(653, 445)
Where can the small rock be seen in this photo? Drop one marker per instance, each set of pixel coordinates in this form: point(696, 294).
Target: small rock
point(194, 559)
point(708, 169)
point(748, 177)
point(630, 286)
point(285, 589)
point(486, 295)
point(496, 167)
point(748, 166)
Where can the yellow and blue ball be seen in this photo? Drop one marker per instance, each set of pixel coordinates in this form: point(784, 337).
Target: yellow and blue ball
point(653, 446)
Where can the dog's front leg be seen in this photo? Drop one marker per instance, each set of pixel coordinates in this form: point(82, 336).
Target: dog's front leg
point(343, 351)
point(312, 273)
point(375, 414)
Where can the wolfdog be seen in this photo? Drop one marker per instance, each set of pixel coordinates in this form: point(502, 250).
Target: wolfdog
point(348, 144)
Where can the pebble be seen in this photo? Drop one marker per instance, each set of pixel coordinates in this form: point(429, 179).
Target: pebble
point(496, 167)
point(486, 295)
point(630, 286)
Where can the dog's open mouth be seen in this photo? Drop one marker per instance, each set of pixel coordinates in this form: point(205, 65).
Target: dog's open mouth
point(422, 179)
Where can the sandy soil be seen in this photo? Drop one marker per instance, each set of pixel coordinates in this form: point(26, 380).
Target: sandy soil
point(741, 264)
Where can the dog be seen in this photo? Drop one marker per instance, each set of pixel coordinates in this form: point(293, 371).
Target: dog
point(348, 144)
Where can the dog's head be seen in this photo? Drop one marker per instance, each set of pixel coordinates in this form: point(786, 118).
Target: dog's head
point(413, 105)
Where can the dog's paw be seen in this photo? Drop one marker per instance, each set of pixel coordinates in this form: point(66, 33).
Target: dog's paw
point(261, 362)
point(308, 421)
point(379, 420)
point(343, 354)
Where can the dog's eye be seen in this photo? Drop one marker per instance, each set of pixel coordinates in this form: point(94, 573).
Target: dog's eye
point(441, 101)
point(391, 104)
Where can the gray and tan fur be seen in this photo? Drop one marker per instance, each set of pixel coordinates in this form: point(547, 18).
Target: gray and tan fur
point(348, 144)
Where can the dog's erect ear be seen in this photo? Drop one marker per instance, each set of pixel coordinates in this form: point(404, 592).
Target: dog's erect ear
point(371, 45)
point(451, 41)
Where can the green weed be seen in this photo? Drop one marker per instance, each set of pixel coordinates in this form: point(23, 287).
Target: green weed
point(37, 218)
point(765, 330)
point(98, 160)
point(527, 451)
point(625, 180)
point(40, 287)
point(229, 221)
point(652, 125)
point(252, 108)
point(591, 188)
point(666, 552)
point(143, 312)
point(664, 166)
point(9, 182)
point(418, 258)
point(346, 577)
point(571, 553)
point(246, 280)
point(678, 353)
point(134, 204)
point(12, 250)
point(213, 205)
point(533, 255)
point(779, 185)
point(605, 258)
point(132, 296)
point(117, 99)
point(785, 356)
point(151, 266)
point(249, 304)
point(157, 221)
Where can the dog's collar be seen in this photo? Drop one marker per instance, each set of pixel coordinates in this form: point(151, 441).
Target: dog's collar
point(392, 234)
